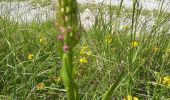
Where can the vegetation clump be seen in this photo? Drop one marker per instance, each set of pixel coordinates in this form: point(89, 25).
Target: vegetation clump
point(59, 60)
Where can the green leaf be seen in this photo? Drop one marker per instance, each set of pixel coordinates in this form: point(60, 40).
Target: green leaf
point(135, 54)
point(108, 94)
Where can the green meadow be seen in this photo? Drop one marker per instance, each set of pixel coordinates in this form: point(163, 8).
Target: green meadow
point(135, 60)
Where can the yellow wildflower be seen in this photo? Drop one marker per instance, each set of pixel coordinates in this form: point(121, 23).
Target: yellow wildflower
point(168, 50)
point(83, 60)
point(155, 50)
point(40, 86)
point(108, 39)
point(135, 98)
point(126, 27)
point(129, 97)
point(43, 40)
point(57, 79)
point(134, 44)
point(168, 83)
point(85, 50)
point(166, 79)
point(30, 56)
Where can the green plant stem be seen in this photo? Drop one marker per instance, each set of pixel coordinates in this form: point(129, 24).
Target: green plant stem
point(66, 73)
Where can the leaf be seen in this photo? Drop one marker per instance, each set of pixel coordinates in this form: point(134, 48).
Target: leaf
point(108, 94)
point(135, 55)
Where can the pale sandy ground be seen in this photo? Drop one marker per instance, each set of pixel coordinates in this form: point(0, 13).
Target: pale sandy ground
point(26, 12)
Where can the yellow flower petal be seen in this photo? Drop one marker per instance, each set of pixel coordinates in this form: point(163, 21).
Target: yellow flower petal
point(43, 40)
point(85, 50)
point(129, 97)
point(57, 79)
point(108, 39)
point(135, 98)
point(30, 56)
point(83, 60)
point(40, 86)
point(155, 50)
point(166, 79)
point(168, 83)
point(168, 50)
point(134, 44)
point(126, 27)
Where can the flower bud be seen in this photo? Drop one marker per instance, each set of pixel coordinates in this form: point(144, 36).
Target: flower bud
point(62, 29)
point(61, 37)
point(67, 9)
point(65, 47)
point(69, 29)
point(62, 10)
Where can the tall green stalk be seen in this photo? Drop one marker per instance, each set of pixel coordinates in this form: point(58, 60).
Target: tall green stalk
point(67, 25)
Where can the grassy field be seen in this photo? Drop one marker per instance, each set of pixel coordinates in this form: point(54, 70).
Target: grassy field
point(30, 62)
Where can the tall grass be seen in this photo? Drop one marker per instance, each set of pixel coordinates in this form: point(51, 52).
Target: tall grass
point(135, 59)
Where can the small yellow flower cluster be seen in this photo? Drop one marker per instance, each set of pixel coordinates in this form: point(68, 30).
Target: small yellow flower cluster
point(134, 44)
point(129, 97)
point(57, 79)
point(40, 86)
point(30, 56)
point(84, 52)
point(126, 27)
point(168, 50)
point(155, 49)
point(108, 39)
point(83, 60)
point(43, 40)
point(166, 80)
